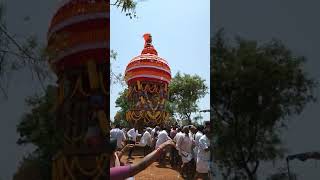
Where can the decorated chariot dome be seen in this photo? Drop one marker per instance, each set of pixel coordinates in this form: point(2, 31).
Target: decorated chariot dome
point(77, 33)
point(148, 66)
point(147, 77)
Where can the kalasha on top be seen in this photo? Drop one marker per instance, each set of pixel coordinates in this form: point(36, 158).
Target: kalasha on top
point(147, 77)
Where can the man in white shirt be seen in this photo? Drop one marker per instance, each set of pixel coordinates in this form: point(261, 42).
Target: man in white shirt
point(146, 140)
point(132, 136)
point(154, 136)
point(124, 130)
point(185, 144)
point(203, 156)
point(198, 135)
point(154, 130)
point(192, 131)
point(173, 132)
point(162, 138)
point(119, 135)
point(176, 140)
point(175, 157)
point(177, 137)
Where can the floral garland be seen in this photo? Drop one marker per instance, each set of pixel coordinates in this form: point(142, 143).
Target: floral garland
point(103, 122)
point(147, 88)
point(93, 74)
point(61, 92)
point(147, 116)
point(61, 167)
point(79, 88)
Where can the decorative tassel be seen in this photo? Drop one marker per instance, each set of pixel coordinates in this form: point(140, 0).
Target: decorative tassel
point(54, 177)
point(103, 122)
point(61, 92)
point(81, 88)
point(76, 86)
point(142, 100)
point(93, 75)
point(60, 167)
point(102, 83)
point(139, 85)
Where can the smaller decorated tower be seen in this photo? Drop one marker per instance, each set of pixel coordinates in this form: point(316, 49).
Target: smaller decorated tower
point(147, 77)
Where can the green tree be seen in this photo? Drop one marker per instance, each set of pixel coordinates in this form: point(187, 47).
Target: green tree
point(37, 128)
point(114, 78)
point(20, 53)
point(256, 89)
point(127, 6)
point(185, 91)
point(124, 105)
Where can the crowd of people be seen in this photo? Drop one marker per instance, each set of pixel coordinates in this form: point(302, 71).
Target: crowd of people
point(187, 149)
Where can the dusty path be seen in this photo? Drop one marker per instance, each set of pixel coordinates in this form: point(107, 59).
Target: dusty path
point(154, 171)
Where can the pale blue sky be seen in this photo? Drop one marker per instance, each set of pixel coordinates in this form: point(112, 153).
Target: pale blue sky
point(181, 35)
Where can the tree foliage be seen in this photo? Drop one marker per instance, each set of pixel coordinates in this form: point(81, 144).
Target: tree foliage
point(115, 78)
point(185, 91)
point(256, 89)
point(20, 53)
point(124, 105)
point(127, 6)
point(37, 128)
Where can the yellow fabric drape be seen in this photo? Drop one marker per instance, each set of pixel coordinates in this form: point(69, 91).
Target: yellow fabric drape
point(93, 75)
point(103, 122)
point(61, 91)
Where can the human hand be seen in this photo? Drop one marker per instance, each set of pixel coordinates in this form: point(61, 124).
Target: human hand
point(167, 143)
point(129, 146)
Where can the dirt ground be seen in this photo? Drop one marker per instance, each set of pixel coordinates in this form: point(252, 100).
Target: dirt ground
point(155, 171)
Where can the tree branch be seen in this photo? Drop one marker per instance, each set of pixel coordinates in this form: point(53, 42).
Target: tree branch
point(2, 29)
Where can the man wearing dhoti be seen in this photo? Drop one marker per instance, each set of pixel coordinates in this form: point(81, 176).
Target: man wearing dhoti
point(119, 135)
point(132, 136)
point(146, 141)
point(203, 156)
point(162, 138)
point(185, 144)
point(198, 135)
